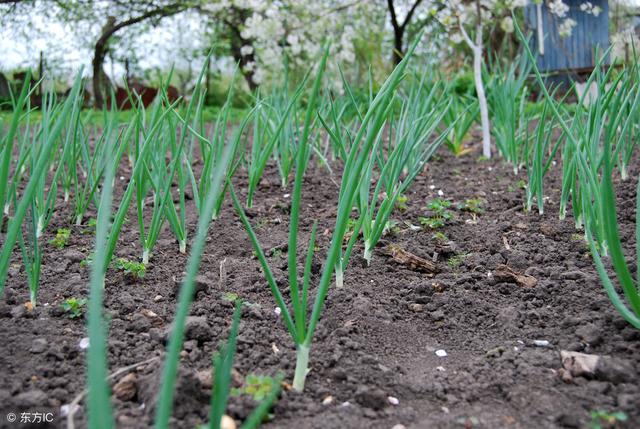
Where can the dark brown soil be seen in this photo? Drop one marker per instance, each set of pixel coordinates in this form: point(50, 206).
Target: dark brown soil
point(378, 335)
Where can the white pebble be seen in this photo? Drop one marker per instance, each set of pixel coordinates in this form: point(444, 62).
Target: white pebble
point(541, 343)
point(277, 311)
point(327, 400)
point(432, 187)
point(287, 195)
point(64, 410)
point(441, 353)
point(440, 193)
point(399, 426)
point(345, 404)
point(84, 343)
point(445, 410)
point(393, 400)
point(440, 368)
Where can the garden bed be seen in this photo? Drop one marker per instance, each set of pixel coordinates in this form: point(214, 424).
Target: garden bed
point(377, 339)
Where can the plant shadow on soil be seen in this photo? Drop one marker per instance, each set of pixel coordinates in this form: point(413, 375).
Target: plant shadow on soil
point(378, 335)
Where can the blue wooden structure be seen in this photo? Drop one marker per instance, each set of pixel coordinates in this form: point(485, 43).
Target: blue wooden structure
point(575, 53)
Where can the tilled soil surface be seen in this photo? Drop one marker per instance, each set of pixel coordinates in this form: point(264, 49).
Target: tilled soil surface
point(379, 334)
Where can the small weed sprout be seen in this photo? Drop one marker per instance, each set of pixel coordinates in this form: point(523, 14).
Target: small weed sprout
point(86, 262)
point(455, 261)
point(440, 214)
point(392, 227)
point(607, 420)
point(62, 238)
point(258, 387)
point(74, 306)
point(230, 297)
point(472, 205)
point(136, 270)
point(440, 237)
point(401, 203)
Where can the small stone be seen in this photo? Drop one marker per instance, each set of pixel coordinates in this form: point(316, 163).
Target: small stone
point(541, 343)
point(415, 307)
point(604, 368)
point(227, 422)
point(393, 400)
point(205, 376)
point(437, 315)
point(84, 343)
point(399, 426)
point(327, 400)
point(126, 388)
point(158, 298)
point(39, 345)
point(152, 317)
point(441, 353)
point(495, 352)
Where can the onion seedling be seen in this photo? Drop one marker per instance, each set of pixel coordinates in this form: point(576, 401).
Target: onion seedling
point(272, 126)
point(605, 211)
point(214, 191)
point(408, 150)
point(300, 327)
point(212, 150)
point(32, 254)
point(99, 400)
point(39, 170)
point(459, 118)
point(507, 95)
point(537, 165)
point(7, 141)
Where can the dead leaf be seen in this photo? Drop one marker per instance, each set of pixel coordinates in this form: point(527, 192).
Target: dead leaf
point(505, 274)
point(126, 388)
point(153, 317)
point(411, 261)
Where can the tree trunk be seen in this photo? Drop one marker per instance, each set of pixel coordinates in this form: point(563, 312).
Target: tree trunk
point(99, 53)
point(111, 27)
point(482, 98)
point(236, 51)
point(398, 53)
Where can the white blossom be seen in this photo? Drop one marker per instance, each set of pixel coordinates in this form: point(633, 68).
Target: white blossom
point(558, 8)
point(566, 27)
point(507, 24)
